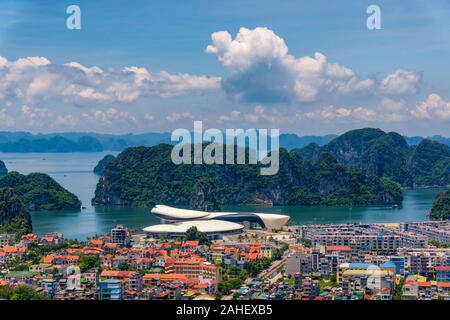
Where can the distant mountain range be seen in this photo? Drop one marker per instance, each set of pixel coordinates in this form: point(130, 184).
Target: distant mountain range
point(76, 141)
point(96, 142)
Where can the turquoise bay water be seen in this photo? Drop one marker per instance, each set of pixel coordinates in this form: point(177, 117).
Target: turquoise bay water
point(74, 172)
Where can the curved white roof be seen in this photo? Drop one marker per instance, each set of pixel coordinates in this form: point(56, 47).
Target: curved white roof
point(205, 226)
point(271, 220)
point(178, 213)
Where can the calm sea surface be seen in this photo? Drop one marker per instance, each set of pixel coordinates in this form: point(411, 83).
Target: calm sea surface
point(74, 172)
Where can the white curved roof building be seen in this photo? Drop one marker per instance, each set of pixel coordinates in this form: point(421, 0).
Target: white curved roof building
point(180, 220)
point(205, 226)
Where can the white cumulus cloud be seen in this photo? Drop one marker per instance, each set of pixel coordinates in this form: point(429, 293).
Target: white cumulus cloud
point(400, 82)
point(433, 107)
point(264, 71)
point(36, 78)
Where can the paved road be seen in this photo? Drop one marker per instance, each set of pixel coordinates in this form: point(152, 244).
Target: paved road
point(266, 274)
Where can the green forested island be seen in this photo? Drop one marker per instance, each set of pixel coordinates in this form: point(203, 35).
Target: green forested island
point(441, 206)
point(39, 191)
point(3, 169)
point(365, 166)
point(380, 154)
point(146, 176)
point(14, 215)
point(101, 165)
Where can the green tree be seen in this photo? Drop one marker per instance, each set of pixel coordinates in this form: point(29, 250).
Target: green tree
point(398, 290)
point(439, 244)
point(441, 206)
point(193, 234)
point(88, 262)
point(225, 287)
point(123, 266)
point(255, 267)
point(21, 292)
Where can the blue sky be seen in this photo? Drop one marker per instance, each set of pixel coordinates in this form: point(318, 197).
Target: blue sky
point(154, 73)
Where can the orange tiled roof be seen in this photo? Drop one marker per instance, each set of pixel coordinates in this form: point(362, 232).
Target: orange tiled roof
point(254, 249)
point(252, 256)
point(191, 243)
point(170, 260)
point(30, 236)
point(164, 276)
point(190, 281)
point(162, 294)
point(92, 251)
point(10, 249)
point(49, 259)
point(443, 284)
point(338, 248)
point(116, 273)
point(424, 284)
point(409, 282)
point(97, 242)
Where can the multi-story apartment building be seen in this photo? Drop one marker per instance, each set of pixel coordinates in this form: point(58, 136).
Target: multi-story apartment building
point(195, 268)
point(131, 280)
point(424, 262)
point(439, 230)
point(374, 237)
point(299, 263)
point(373, 280)
point(120, 235)
point(110, 289)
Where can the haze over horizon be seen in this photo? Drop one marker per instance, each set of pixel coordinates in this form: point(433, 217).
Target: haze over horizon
point(155, 67)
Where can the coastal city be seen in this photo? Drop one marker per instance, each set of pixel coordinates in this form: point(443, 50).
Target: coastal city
point(400, 261)
point(224, 159)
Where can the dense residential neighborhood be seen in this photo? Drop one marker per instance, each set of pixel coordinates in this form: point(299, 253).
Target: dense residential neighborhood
point(310, 262)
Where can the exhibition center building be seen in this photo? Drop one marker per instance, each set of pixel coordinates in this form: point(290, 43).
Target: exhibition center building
point(215, 224)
